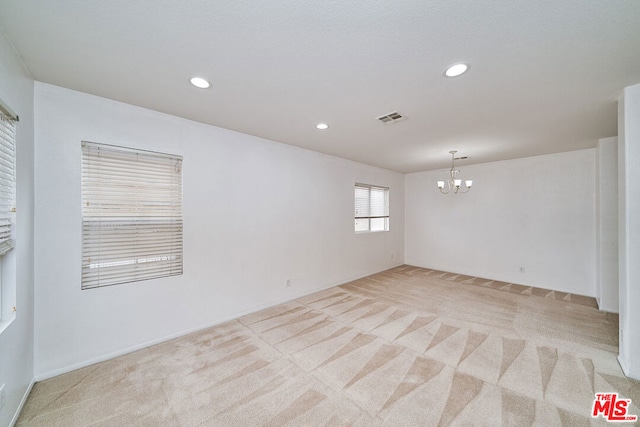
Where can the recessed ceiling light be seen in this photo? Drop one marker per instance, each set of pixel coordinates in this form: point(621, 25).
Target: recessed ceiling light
point(456, 69)
point(322, 126)
point(200, 82)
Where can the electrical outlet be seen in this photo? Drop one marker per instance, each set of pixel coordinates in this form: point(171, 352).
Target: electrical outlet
point(3, 397)
point(288, 283)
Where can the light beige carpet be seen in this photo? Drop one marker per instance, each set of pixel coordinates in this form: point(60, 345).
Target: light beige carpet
point(405, 347)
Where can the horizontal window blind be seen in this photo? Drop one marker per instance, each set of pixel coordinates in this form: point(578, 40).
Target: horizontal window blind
point(371, 208)
point(7, 181)
point(131, 215)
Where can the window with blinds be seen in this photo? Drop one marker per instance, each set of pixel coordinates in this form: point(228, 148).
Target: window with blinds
point(8, 122)
point(7, 180)
point(131, 215)
point(371, 208)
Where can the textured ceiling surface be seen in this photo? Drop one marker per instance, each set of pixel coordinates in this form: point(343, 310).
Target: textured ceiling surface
point(544, 78)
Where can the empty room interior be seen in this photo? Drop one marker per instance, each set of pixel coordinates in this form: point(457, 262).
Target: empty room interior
point(300, 213)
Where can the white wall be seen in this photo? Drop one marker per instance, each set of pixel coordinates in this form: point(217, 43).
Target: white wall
point(535, 212)
point(16, 341)
point(629, 229)
point(255, 214)
point(607, 224)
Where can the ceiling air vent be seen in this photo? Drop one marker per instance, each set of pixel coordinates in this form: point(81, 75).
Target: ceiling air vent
point(390, 118)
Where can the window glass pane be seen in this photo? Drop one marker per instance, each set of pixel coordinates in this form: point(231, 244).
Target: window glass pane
point(7, 181)
point(378, 224)
point(7, 216)
point(362, 204)
point(362, 225)
point(378, 202)
point(132, 215)
point(371, 208)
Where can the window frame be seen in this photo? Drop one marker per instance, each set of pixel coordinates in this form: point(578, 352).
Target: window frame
point(368, 216)
point(132, 219)
point(8, 134)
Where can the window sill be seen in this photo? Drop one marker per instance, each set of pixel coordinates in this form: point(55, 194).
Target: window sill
point(371, 232)
point(4, 324)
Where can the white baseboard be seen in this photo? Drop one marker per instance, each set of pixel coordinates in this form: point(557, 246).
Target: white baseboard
point(22, 402)
point(622, 365)
point(85, 363)
point(503, 278)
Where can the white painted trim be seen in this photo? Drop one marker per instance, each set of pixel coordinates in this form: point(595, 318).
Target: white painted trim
point(4, 324)
point(627, 373)
point(22, 402)
point(51, 374)
point(622, 365)
point(502, 278)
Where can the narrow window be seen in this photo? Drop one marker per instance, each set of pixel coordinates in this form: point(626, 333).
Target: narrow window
point(131, 215)
point(371, 208)
point(7, 212)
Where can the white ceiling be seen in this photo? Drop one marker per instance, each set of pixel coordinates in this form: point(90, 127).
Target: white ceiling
point(544, 78)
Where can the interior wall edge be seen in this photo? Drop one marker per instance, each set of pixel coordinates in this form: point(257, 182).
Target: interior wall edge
point(22, 402)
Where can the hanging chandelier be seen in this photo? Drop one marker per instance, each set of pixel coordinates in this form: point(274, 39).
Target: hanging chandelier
point(454, 182)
